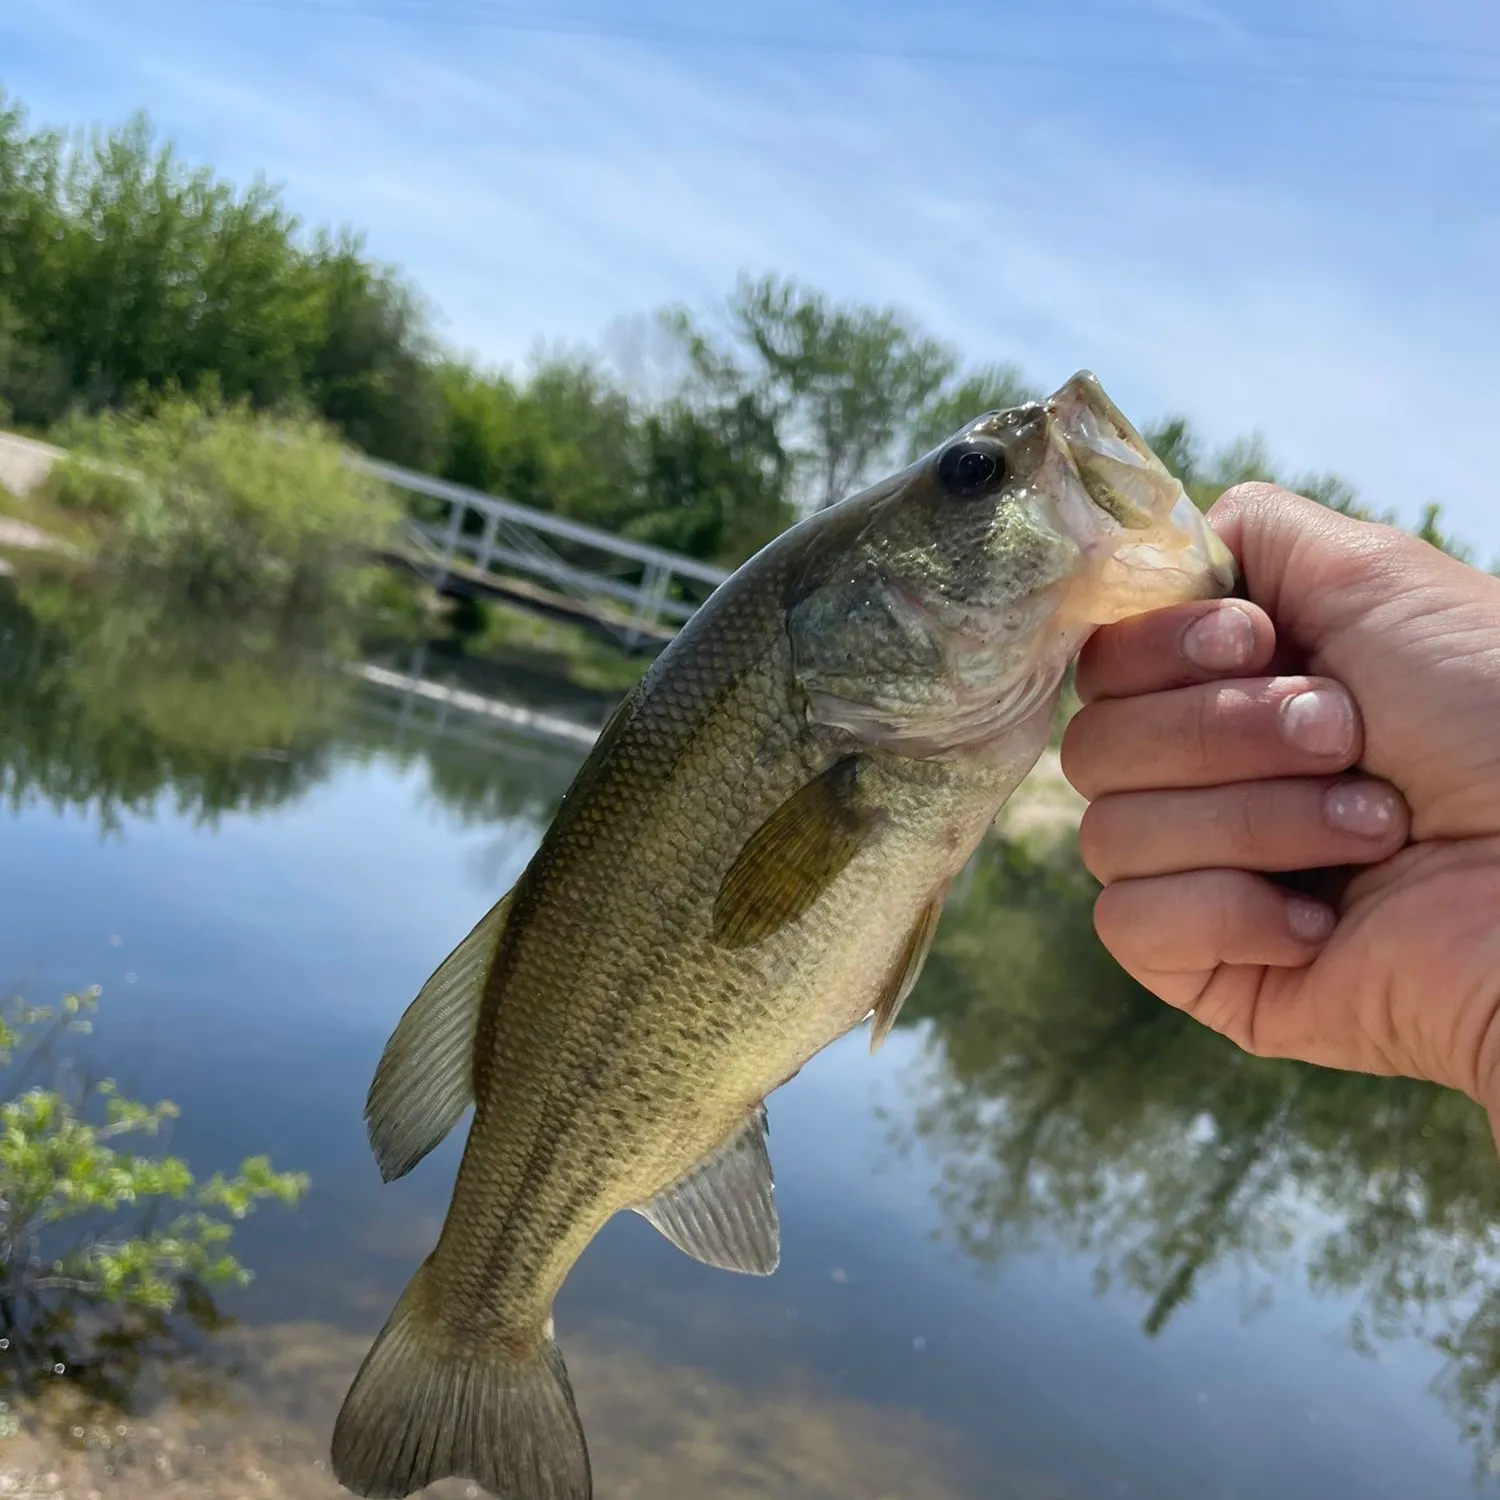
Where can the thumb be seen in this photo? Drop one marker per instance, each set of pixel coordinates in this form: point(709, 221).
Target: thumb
point(1314, 570)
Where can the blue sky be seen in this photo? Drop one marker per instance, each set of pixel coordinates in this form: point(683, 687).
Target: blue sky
point(1273, 215)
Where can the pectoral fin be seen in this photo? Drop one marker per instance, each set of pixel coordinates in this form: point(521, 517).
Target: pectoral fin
point(793, 857)
point(424, 1081)
point(906, 970)
point(723, 1212)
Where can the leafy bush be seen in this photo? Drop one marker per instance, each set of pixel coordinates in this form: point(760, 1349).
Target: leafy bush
point(60, 1170)
point(235, 509)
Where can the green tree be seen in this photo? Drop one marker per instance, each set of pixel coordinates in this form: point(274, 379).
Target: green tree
point(992, 388)
point(229, 509)
point(164, 274)
point(562, 440)
point(842, 381)
point(124, 269)
point(368, 363)
point(713, 481)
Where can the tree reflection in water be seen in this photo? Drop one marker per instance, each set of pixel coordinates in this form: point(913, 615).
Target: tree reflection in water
point(1064, 1104)
point(117, 703)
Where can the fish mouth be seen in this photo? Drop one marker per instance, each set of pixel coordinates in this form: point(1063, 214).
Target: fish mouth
point(1155, 526)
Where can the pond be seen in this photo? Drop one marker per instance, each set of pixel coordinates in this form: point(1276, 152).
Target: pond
point(1053, 1242)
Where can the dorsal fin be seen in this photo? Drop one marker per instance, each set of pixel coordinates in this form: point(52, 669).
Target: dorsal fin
point(723, 1212)
point(424, 1081)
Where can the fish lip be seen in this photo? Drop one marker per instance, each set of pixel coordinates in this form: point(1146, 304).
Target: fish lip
point(1100, 438)
point(1089, 420)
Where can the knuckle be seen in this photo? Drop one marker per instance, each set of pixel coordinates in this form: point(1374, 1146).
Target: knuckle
point(1111, 921)
point(1219, 914)
point(1254, 497)
point(1241, 819)
point(1073, 753)
point(1196, 736)
point(1095, 840)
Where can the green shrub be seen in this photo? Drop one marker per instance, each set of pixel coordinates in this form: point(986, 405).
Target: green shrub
point(60, 1171)
point(231, 508)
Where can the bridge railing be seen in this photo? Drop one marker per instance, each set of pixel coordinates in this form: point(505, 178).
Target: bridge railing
point(481, 534)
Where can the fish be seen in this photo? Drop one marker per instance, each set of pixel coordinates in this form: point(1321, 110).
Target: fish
point(750, 863)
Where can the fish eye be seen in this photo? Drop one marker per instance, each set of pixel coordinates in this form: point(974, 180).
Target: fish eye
point(972, 467)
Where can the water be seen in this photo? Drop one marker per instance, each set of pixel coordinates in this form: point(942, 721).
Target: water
point(1053, 1241)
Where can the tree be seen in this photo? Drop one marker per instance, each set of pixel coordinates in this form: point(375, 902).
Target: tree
point(842, 381)
point(84, 1223)
point(991, 388)
point(713, 481)
point(562, 439)
point(368, 363)
point(125, 271)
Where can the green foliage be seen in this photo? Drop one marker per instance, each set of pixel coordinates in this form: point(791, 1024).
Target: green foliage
point(65, 1181)
point(369, 368)
point(713, 481)
point(841, 379)
point(124, 268)
point(705, 479)
point(230, 509)
point(562, 440)
point(844, 385)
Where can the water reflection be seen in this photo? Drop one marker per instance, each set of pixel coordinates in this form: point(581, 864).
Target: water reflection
point(69, 1354)
point(115, 703)
point(107, 703)
point(1067, 1107)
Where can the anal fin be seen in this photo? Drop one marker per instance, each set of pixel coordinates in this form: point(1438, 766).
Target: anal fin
point(424, 1081)
point(723, 1211)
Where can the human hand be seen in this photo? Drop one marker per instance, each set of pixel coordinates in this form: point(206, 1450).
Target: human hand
point(1347, 722)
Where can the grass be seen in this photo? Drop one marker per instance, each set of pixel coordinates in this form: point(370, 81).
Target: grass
point(508, 633)
point(35, 510)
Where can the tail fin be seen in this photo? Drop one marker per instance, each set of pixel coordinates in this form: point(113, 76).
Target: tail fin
point(425, 1406)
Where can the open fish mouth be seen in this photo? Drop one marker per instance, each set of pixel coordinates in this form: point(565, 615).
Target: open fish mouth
point(1131, 486)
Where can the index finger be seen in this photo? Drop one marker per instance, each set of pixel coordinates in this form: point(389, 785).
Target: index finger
point(1177, 647)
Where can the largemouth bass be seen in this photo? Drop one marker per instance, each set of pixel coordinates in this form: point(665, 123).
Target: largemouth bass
point(752, 860)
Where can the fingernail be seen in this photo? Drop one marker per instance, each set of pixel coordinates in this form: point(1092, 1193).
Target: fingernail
point(1320, 721)
point(1310, 921)
point(1365, 808)
point(1220, 640)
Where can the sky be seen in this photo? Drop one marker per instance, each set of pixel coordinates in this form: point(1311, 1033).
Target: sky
point(1280, 215)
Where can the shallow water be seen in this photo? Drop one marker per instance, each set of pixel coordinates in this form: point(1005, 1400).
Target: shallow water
point(1053, 1241)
